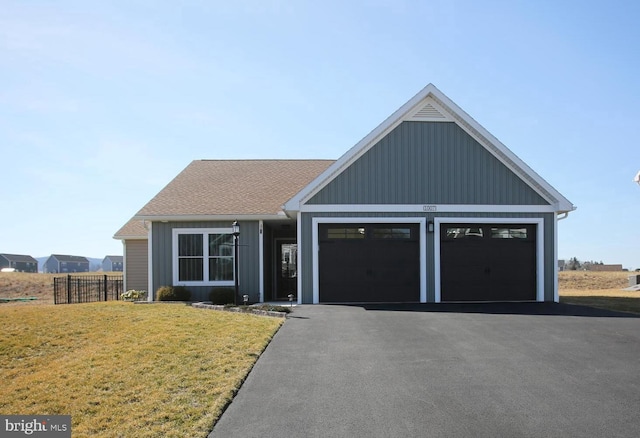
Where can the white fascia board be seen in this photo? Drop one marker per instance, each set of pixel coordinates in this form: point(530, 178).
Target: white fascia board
point(419, 208)
point(211, 217)
point(132, 237)
point(539, 222)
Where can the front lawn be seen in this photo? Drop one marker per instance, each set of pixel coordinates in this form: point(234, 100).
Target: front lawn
point(127, 370)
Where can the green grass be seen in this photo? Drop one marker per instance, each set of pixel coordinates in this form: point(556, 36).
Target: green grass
point(127, 370)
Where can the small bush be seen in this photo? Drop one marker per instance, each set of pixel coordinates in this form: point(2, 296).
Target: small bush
point(222, 295)
point(272, 308)
point(173, 293)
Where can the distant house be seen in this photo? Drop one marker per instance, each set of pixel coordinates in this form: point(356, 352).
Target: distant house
point(561, 265)
point(112, 263)
point(62, 264)
point(21, 263)
point(605, 268)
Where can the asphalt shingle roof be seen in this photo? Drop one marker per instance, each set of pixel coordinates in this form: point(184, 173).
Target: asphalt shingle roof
point(19, 258)
point(234, 187)
point(70, 258)
point(132, 230)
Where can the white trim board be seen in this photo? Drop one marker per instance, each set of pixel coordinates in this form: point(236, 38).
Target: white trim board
point(539, 222)
point(367, 220)
point(420, 208)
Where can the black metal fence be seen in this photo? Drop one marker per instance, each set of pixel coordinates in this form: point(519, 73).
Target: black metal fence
point(86, 288)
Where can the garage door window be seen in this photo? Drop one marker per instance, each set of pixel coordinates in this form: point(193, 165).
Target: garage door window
point(508, 233)
point(345, 233)
point(463, 233)
point(392, 233)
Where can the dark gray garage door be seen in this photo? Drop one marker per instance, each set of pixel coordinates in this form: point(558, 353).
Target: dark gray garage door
point(369, 262)
point(488, 262)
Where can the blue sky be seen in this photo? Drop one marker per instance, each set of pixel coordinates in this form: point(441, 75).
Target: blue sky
point(103, 103)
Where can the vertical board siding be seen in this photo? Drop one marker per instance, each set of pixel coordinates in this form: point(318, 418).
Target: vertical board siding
point(249, 257)
point(137, 269)
point(306, 267)
point(428, 163)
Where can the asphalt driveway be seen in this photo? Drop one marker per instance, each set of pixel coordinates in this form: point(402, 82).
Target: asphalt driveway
point(495, 370)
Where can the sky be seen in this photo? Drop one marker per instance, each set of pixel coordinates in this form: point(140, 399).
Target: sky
point(103, 103)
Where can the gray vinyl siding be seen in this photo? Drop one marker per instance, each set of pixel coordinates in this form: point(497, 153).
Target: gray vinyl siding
point(249, 275)
point(427, 163)
point(137, 265)
point(306, 258)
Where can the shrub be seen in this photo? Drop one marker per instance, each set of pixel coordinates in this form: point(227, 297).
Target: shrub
point(222, 295)
point(173, 293)
point(272, 308)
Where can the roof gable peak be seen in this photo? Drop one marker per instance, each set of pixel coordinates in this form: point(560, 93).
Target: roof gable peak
point(431, 105)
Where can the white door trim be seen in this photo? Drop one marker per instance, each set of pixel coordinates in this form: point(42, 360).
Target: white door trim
point(539, 222)
point(422, 221)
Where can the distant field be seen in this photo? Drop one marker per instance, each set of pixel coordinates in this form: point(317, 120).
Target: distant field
point(20, 284)
point(598, 289)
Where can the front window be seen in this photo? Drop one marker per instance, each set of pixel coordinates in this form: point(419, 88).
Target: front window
point(203, 257)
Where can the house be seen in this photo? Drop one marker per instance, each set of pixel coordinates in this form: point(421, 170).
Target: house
point(605, 268)
point(21, 263)
point(135, 261)
point(428, 207)
point(112, 263)
point(63, 264)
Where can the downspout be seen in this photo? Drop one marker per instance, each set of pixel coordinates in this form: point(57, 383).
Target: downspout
point(556, 292)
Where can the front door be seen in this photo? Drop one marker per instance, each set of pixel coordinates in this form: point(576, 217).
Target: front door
point(286, 269)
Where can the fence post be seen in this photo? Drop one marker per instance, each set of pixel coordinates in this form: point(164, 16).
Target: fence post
point(68, 288)
point(105, 288)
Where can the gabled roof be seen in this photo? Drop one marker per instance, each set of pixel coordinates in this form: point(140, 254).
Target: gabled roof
point(113, 258)
point(134, 229)
point(19, 258)
point(232, 189)
point(70, 258)
point(430, 104)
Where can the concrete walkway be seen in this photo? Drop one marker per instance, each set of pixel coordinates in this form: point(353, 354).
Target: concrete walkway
point(527, 370)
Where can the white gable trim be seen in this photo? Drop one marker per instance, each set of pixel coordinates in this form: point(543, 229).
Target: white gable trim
point(431, 97)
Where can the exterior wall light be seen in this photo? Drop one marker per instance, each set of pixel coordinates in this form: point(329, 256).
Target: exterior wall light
point(430, 226)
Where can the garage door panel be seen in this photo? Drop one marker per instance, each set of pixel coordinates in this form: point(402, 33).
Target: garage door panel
point(378, 263)
point(487, 262)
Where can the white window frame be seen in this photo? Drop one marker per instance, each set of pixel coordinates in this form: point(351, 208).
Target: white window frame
point(205, 232)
